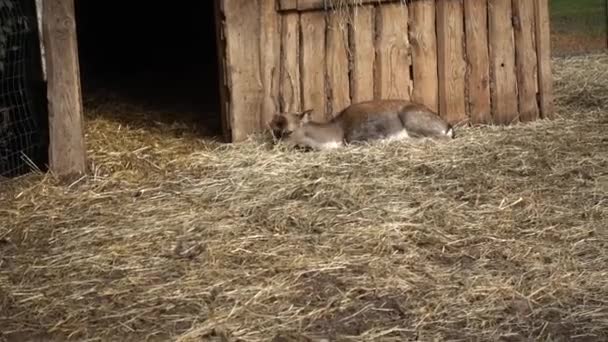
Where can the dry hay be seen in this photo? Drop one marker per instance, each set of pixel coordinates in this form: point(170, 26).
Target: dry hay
point(498, 234)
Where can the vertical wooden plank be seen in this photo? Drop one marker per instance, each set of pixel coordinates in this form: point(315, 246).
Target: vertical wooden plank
point(478, 66)
point(423, 40)
point(312, 64)
point(290, 63)
point(223, 76)
point(523, 20)
point(502, 62)
point(337, 62)
point(288, 4)
point(67, 145)
point(543, 55)
point(241, 26)
point(270, 49)
point(392, 68)
point(451, 62)
point(251, 28)
point(38, 5)
point(363, 55)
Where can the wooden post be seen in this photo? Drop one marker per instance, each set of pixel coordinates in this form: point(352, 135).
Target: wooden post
point(220, 43)
point(526, 60)
point(477, 51)
point(392, 77)
point(451, 63)
point(363, 54)
point(312, 64)
point(251, 30)
point(502, 62)
point(423, 40)
point(543, 55)
point(67, 152)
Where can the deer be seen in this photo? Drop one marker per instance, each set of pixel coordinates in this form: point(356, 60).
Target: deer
point(363, 122)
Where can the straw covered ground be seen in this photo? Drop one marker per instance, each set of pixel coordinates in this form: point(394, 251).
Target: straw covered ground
point(499, 235)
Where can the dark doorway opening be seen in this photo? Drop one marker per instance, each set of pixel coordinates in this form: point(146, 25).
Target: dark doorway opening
point(159, 56)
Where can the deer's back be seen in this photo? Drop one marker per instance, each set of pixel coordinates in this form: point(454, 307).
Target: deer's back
point(372, 120)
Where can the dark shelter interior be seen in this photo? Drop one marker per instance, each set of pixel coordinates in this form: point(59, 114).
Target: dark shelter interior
point(158, 56)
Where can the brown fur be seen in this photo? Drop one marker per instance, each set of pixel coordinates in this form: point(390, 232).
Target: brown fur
point(361, 122)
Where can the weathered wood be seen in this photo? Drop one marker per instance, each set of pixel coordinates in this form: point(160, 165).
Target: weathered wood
point(392, 68)
point(39, 4)
point(312, 5)
point(337, 63)
point(270, 48)
point(478, 71)
point(312, 64)
point(67, 146)
point(502, 62)
point(424, 53)
point(543, 54)
point(363, 54)
point(241, 26)
point(290, 93)
point(223, 77)
point(451, 62)
point(252, 56)
point(523, 20)
point(286, 5)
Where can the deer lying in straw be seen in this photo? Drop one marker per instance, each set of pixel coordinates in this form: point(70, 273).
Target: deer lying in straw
point(384, 120)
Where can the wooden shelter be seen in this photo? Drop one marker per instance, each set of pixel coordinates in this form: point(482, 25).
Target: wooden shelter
point(474, 61)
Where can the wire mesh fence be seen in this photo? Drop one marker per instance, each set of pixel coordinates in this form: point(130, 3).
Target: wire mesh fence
point(22, 116)
point(579, 26)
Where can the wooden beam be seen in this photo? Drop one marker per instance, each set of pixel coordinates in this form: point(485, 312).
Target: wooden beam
point(315, 5)
point(363, 53)
point(290, 95)
point(337, 64)
point(220, 41)
point(543, 54)
point(502, 62)
point(312, 64)
point(525, 57)
point(451, 63)
point(40, 37)
point(67, 145)
point(392, 70)
point(423, 40)
point(251, 56)
point(478, 58)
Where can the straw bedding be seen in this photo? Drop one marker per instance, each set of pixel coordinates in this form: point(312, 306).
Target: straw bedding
point(499, 235)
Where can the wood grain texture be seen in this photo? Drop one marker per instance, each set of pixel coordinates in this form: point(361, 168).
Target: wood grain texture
point(523, 20)
point(502, 62)
point(290, 93)
point(423, 40)
point(285, 5)
point(478, 66)
point(543, 55)
point(222, 73)
point(312, 64)
point(270, 48)
point(363, 54)
point(337, 63)
point(252, 53)
point(67, 145)
point(311, 5)
point(392, 68)
point(451, 62)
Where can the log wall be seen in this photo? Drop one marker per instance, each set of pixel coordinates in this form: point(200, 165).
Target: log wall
point(475, 61)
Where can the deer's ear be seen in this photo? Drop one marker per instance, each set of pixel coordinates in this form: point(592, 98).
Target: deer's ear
point(278, 122)
point(305, 116)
